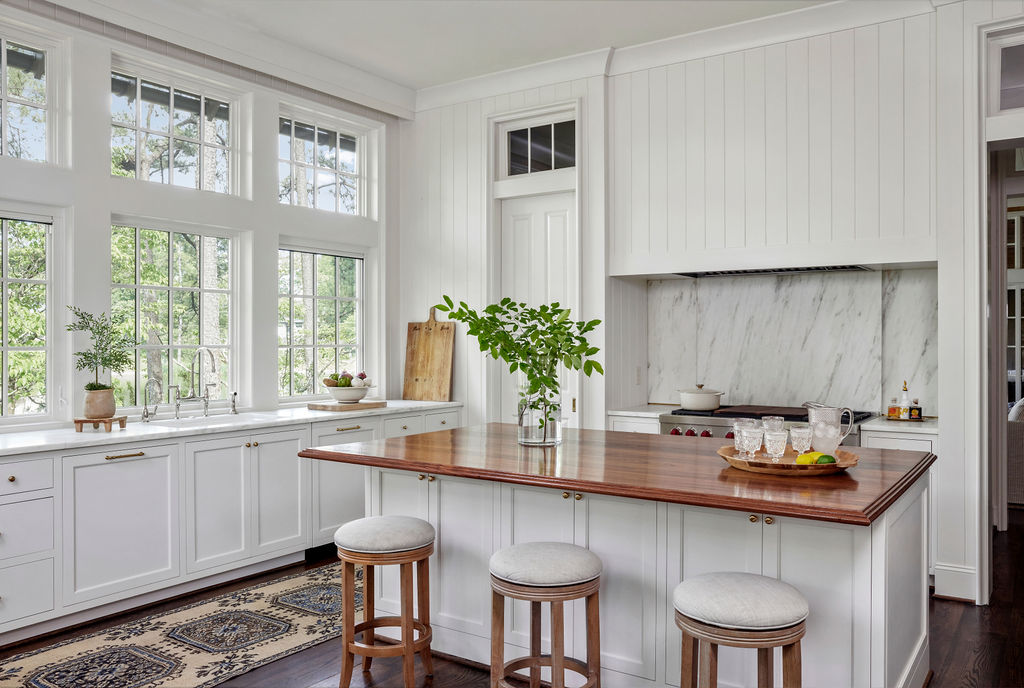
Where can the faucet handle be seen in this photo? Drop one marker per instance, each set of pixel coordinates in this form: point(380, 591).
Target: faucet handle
point(234, 402)
point(207, 386)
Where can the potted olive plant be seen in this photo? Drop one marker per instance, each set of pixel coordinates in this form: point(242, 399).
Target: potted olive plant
point(533, 342)
point(111, 350)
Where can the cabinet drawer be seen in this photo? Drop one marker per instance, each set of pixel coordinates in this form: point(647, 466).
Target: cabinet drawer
point(344, 430)
point(400, 427)
point(26, 527)
point(24, 476)
point(26, 589)
point(898, 443)
point(442, 421)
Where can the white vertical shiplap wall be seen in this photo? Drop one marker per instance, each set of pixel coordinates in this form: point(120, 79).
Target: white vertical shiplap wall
point(818, 150)
point(444, 244)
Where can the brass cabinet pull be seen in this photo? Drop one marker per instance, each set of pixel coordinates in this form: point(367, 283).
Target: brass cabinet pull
point(752, 518)
point(110, 458)
point(248, 444)
point(565, 495)
point(578, 496)
point(255, 444)
point(11, 478)
point(431, 478)
point(444, 422)
point(421, 477)
point(768, 520)
point(351, 427)
point(405, 427)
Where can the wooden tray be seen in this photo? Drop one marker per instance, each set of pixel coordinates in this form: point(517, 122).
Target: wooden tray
point(787, 464)
point(351, 406)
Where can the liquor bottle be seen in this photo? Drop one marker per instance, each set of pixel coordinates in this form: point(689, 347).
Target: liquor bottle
point(905, 403)
point(915, 410)
point(894, 410)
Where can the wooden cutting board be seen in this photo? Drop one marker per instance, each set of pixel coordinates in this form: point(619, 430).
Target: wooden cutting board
point(429, 352)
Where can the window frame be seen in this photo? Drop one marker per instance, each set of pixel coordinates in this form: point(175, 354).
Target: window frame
point(235, 305)
point(359, 300)
point(555, 115)
point(143, 70)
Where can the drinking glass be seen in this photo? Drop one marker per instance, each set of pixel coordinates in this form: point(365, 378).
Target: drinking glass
point(800, 437)
point(738, 425)
point(775, 443)
point(773, 422)
point(750, 441)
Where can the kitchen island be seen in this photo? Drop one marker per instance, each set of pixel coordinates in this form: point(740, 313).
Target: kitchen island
point(656, 509)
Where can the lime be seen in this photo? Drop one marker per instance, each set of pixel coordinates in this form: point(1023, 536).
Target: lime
point(826, 458)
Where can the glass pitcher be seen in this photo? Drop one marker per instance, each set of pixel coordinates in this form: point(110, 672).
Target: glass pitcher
point(827, 430)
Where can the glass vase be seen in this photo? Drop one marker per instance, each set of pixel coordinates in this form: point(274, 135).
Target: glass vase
point(539, 427)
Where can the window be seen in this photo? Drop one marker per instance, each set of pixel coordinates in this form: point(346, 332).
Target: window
point(169, 136)
point(26, 331)
point(318, 168)
point(23, 101)
point(542, 148)
point(318, 319)
point(172, 292)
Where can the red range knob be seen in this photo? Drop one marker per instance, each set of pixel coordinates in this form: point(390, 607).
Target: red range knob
point(705, 433)
point(675, 431)
point(729, 435)
point(690, 432)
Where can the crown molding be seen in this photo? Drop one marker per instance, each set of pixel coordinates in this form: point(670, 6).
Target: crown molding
point(580, 66)
point(234, 43)
point(777, 28)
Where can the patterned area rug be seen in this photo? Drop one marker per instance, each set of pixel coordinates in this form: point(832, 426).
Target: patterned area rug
point(199, 645)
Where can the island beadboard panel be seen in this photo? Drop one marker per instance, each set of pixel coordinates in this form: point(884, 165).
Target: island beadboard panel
point(655, 467)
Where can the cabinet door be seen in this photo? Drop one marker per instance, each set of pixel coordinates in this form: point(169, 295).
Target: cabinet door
point(649, 426)
point(281, 490)
point(624, 534)
point(338, 488)
point(530, 514)
point(395, 492)
point(401, 427)
point(704, 541)
point(120, 520)
point(217, 502)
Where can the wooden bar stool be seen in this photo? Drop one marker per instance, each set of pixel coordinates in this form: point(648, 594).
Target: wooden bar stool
point(378, 541)
point(553, 572)
point(739, 610)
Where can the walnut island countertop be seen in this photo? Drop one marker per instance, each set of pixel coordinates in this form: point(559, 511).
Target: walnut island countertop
point(655, 467)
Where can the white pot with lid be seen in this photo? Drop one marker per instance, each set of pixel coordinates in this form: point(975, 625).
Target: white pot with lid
point(700, 399)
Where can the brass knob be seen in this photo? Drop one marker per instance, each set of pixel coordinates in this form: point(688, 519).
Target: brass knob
point(431, 478)
point(10, 478)
point(248, 444)
point(769, 520)
point(255, 444)
point(405, 427)
point(578, 496)
point(444, 422)
point(752, 518)
point(565, 495)
point(420, 477)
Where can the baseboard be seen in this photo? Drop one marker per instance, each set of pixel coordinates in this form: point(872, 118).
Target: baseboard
point(957, 582)
point(920, 668)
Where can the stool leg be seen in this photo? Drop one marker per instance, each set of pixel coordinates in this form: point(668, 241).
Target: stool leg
point(708, 664)
point(408, 671)
point(594, 639)
point(688, 675)
point(368, 611)
point(497, 637)
point(348, 612)
point(423, 600)
point(765, 667)
point(535, 612)
point(557, 645)
point(791, 669)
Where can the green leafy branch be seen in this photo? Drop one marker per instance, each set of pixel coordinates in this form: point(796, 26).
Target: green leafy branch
point(111, 349)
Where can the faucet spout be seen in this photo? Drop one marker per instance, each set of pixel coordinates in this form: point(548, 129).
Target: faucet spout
point(192, 369)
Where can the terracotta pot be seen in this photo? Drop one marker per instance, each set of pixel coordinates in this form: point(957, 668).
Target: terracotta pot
point(99, 403)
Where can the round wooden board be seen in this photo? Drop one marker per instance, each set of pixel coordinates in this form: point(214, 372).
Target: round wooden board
point(787, 464)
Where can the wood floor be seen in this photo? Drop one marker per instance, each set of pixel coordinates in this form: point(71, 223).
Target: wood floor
point(971, 646)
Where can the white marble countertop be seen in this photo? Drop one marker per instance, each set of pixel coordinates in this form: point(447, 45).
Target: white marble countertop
point(929, 426)
point(643, 410)
point(165, 427)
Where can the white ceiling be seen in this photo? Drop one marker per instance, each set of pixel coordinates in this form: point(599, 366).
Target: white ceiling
point(422, 43)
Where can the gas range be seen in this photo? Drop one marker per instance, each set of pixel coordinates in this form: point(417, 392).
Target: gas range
point(718, 423)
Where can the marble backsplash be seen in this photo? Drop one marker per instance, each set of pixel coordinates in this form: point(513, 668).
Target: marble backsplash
point(846, 338)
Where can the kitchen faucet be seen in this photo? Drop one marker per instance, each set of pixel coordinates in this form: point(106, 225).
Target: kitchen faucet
point(146, 414)
point(192, 396)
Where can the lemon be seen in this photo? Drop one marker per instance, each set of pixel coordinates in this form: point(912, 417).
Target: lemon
point(826, 458)
point(809, 457)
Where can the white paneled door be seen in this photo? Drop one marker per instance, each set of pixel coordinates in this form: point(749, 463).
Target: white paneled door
point(540, 264)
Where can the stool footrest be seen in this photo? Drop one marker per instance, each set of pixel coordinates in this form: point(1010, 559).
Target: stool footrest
point(574, 665)
point(390, 650)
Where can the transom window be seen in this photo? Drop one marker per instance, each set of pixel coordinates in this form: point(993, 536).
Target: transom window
point(542, 148)
point(172, 292)
point(23, 101)
point(318, 319)
point(26, 330)
point(170, 136)
point(317, 167)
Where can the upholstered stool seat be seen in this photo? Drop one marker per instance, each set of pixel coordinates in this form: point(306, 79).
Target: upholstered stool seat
point(545, 564)
point(739, 610)
point(553, 572)
point(378, 541)
point(384, 534)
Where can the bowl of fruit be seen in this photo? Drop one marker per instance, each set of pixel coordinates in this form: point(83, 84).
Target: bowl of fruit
point(346, 387)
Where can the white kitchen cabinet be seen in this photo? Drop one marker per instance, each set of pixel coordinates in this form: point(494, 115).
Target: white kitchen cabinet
point(338, 489)
point(26, 527)
point(403, 426)
point(649, 426)
point(26, 590)
point(443, 420)
point(281, 490)
point(120, 520)
point(218, 502)
point(26, 476)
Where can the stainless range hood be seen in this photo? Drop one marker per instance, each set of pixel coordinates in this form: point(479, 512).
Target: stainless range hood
point(776, 271)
